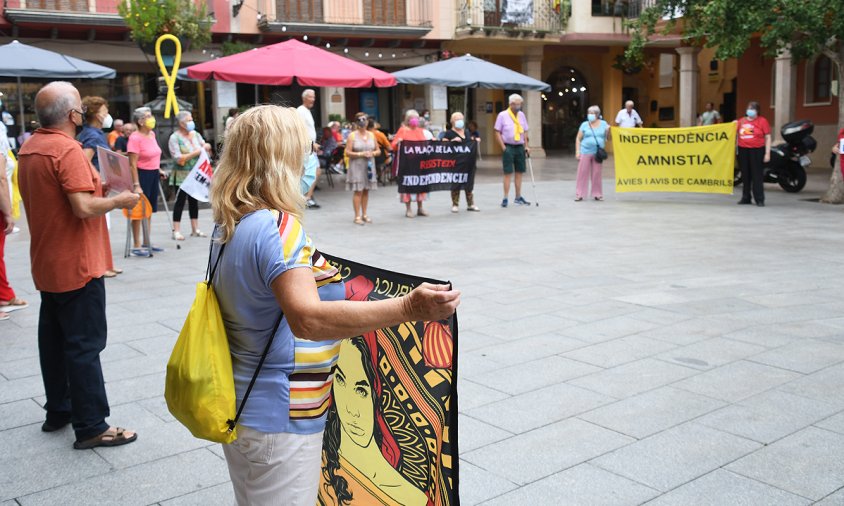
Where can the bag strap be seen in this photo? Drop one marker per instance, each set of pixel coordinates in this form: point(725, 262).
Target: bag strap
point(209, 272)
point(593, 134)
point(233, 423)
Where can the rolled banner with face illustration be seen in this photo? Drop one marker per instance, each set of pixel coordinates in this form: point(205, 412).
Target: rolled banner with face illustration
point(391, 431)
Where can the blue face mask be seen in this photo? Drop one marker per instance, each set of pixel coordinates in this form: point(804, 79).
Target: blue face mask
point(190, 126)
point(309, 176)
point(751, 113)
point(591, 117)
point(459, 124)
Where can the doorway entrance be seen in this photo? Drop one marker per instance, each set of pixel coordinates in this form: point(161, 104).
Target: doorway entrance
point(563, 108)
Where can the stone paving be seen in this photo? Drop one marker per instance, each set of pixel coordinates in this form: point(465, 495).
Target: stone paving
point(660, 349)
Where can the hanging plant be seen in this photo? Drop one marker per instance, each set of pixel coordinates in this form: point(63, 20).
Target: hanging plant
point(149, 19)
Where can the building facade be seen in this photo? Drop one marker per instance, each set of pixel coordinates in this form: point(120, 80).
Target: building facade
point(578, 54)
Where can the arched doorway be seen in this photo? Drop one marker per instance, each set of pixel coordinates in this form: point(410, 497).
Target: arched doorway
point(563, 108)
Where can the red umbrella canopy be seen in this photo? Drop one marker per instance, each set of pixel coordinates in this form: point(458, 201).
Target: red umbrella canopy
point(279, 64)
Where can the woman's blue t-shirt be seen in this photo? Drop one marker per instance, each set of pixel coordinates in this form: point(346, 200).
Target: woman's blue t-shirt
point(90, 138)
point(588, 145)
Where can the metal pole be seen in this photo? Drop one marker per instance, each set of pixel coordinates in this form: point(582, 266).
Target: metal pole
point(256, 94)
point(20, 104)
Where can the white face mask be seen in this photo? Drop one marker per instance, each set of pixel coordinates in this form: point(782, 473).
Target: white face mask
point(108, 121)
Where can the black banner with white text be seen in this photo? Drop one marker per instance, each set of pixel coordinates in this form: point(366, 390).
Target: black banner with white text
point(426, 166)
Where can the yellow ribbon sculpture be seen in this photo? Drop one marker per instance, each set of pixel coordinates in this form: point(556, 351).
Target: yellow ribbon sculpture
point(169, 77)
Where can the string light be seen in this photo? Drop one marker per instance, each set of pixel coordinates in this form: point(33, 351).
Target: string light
point(305, 37)
point(379, 55)
point(283, 28)
point(346, 50)
point(327, 45)
point(366, 54)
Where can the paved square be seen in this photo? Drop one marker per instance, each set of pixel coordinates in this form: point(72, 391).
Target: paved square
point(652, 347)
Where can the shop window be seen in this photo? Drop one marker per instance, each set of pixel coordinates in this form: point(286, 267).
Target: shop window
point(819, 79)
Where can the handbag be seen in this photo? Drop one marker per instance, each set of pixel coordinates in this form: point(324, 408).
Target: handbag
point(199, 387)
point(600, 153)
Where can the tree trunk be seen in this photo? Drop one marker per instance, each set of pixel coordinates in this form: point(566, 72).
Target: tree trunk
point(835, 193)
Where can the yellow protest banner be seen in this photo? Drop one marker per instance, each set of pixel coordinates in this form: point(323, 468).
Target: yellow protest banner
point(696, 159)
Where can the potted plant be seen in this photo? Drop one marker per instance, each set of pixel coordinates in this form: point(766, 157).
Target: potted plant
point(149, 19)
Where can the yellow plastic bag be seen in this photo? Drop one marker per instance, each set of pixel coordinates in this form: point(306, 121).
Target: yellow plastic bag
point(200, 384)
point(16, 193)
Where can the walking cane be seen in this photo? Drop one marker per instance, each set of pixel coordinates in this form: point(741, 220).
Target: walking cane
point(167, 210)
point(532, 180)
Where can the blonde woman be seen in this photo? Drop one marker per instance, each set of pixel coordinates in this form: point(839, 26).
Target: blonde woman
point(268, 269)
point(361, 149)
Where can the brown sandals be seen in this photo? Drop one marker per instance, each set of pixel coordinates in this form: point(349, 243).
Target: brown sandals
point(107, 438)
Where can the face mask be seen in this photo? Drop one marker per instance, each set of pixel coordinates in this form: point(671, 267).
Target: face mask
point(427, 116)
point(751, 113)
point(362, 122)
point(591, 117)
point(190, 126)
point(414, 122)
point(108, 121)
point(459, 124)
point(150, 123)
point(309, 176)
point(516, 108)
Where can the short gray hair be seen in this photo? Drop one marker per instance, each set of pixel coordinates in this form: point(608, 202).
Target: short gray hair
point(53, 113)
point(181, 115)
point(454, 114)
point(411, 113)
point(595, 109)
point(308, 92)
point(139, 113)
point(515, 97)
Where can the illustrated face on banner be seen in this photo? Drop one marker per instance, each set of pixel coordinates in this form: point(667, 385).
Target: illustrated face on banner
point(353, 396)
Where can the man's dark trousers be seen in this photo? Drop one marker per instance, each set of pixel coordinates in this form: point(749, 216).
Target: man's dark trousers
point(71, 335)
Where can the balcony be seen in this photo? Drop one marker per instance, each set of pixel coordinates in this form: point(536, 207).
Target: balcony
point(64, 12)
point(630, 9)
point(363, 18)
point(489, 18)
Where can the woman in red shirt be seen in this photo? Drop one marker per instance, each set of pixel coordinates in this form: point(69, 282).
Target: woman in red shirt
point(754, 150)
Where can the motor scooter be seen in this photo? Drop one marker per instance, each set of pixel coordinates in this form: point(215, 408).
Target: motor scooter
point(789, 159)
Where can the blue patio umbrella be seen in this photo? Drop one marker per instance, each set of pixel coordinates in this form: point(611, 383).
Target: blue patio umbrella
point(469, 72)
point(20, 60)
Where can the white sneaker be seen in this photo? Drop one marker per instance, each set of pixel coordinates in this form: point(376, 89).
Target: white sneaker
point(454, 209)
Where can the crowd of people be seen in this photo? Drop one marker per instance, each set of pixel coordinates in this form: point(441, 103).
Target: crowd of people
point(268, 268)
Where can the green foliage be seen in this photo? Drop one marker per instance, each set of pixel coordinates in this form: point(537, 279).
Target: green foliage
point(233, 47)
point(806, 27)
point(148, 19)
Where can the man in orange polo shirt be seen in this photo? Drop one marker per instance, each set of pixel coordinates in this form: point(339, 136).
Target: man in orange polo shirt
point(65, 209)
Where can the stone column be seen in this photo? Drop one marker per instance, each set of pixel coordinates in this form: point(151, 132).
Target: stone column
point(785, 93)
point(612, 80)
point(532, 66)
point(438, 114)
point(689, 85)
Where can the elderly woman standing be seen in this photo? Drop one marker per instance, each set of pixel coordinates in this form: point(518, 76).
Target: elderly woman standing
point(269, 271)
point(458, 133)
point(361, 148)
point(411, 130)
point(592, 134)
point(145, 161)
point(92, 136)
point(185, 146)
